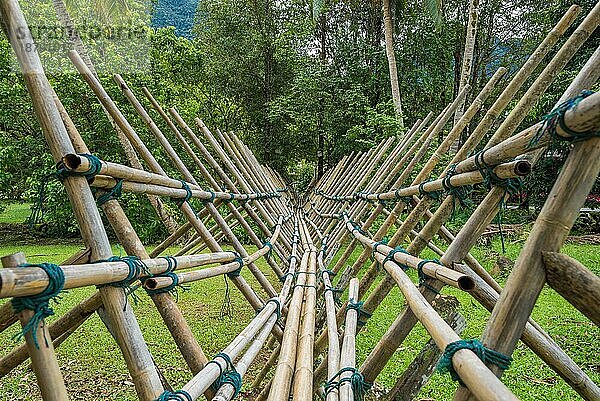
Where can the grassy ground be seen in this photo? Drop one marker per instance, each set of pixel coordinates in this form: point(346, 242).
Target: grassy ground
point(94, 369)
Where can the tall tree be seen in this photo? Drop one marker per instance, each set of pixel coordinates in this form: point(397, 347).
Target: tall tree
point(388, 29)
point(467, 61)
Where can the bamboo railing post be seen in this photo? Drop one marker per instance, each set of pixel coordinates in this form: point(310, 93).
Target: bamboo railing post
point(124, 324)
point(40, 348)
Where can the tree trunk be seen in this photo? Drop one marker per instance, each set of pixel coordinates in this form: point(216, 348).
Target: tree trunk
point(388, 29)
point(75, 39)
point(321, 133)
point(467, 62)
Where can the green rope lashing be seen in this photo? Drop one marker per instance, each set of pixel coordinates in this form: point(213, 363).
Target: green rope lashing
point(112, 194)
point(188, 194)
point(356, 227)
point(358, 383)
point(423, 277)
point(285, 276)
point(270, 251)
point(177, 395)
point(363, 315)
point(231, 198)
point(211, 199)
point(228, 376)
point(486, 355)
point(435, 195)
point(174, 286)
point(557, 118)
point(37, 210)
point(40, 303)
point(460, 193)
point(356, 380)
point(384, 241)
point(390, 257)
point(277, 305)
point(240, 261)
point(136, 268)
point(510, 185)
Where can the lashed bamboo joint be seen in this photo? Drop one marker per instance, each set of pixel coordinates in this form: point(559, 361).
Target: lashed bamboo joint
point(300, 314)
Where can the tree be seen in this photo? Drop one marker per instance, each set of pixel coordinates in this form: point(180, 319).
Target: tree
point(106, 9)
point(467, 61)
point(391, 57)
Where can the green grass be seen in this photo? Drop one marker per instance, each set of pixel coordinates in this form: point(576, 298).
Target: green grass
point(94, 369)
point(14, 213)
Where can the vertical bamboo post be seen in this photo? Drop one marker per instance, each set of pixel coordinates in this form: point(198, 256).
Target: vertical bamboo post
point(41, 349)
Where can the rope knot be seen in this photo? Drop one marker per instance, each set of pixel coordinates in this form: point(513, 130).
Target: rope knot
point(40, 303)
point(486, 355)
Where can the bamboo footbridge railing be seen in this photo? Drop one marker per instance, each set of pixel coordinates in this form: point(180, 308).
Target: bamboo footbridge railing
point(391, 200)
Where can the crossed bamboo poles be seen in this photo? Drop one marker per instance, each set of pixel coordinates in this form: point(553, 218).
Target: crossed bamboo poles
point(393, 160)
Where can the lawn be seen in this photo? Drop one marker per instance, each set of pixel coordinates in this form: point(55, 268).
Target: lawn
point(94, 369)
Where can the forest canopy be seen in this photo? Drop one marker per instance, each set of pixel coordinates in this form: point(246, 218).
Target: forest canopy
point(303, 83)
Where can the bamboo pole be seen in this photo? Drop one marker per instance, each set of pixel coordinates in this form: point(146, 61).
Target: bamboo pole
point(574, 282)
point(181, 166)
point(287, 357)
point(58, 331)
point(539, 342)
point(20, 282)
point(43, 359)
point(472, 371)
point(124, 324)
point(348, 353)
point(303, 374)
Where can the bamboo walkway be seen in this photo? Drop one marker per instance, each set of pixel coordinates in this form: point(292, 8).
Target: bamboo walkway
point(391, 201)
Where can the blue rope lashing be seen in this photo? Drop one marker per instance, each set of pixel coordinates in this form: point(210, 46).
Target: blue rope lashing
point(435, 195)
point(423, 277)
point(112, 194)
point(510, 185)
point(177, 395)
point(227, 376)
point(188, 194)
point(557, 118)
point(356, 227)
point(363, 315)
point(37, 210)
point(136, 268)
point(460, 193)
point(390, 257)
point(40, 303)
point(357, 381)
point(211, 199)
point(486, 355)
point(277, 306)
point(240, 261)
